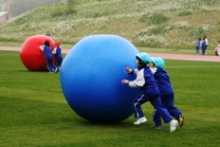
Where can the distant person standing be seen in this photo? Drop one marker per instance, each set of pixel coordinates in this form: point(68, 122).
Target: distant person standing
point(207, 43)
point(218, 50)
point(203, 46)
point(198, 46)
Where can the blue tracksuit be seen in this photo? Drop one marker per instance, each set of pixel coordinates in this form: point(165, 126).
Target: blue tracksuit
point(204, 46)
point(149, 92)
point(58, 56)
point(198, 44)
point(166, 95)
point(47, 52)
point(49, 58)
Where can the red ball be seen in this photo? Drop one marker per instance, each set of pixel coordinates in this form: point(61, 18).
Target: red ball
point(32, 57)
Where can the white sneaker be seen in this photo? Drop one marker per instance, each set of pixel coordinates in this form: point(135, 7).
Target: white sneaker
point(140, 120)
point(56, 69)
point(173, 124)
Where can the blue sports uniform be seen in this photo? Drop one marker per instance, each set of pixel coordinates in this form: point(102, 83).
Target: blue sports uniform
point(58, 56)
point(204, 47)
point(166, 95)
point(198, 44)
point(149, 92)
point(49, 57)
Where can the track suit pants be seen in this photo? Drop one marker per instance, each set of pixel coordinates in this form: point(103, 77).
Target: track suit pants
point(204, 50)
point(58, 62)
point(50, 65)
point(155, 101)
point(168, 103)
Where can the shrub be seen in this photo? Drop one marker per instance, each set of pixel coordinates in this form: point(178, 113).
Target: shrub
point(156, 18)
point(184, 13)
point(208, 2)
point(57, 11)
point(70, 7)
point(160, 30)
point(64, 9)
point(70, 10)
point(195, 32)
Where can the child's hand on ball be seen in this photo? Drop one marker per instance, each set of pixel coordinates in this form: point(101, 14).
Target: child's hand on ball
point(128, 69)
point(125, 81)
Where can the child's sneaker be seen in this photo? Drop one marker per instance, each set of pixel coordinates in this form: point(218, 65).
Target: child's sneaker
point(181, 120)
point(173, 124)
point(55, 69)
point(156, 127)
point(140, 120)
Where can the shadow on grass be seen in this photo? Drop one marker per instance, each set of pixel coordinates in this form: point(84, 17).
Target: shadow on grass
point(84, 122)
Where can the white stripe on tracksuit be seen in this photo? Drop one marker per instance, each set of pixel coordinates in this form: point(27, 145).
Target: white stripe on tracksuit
point(135, 104)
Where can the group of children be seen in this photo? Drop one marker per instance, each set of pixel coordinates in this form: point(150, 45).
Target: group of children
point(202, 44)
point(50, 54)
point(156, 88)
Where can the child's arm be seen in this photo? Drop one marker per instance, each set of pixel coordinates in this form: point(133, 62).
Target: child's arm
point(54, 51)
point(129, 70)
point(41, 47)
point(138, 82)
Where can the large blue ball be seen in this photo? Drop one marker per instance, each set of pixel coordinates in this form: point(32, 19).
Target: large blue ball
point(91, 75)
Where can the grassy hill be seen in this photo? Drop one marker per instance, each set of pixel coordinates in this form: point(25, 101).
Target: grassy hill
point(153, 23)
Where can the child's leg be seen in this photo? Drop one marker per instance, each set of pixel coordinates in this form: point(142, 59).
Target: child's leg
point(49, 63)
point(168, 102)
point(53, 64)
point(156, 102)
point(54, 67)
point(140, 99)
point(59, 62)
point(157, 118)
point(206, 49)
point(197, 50)
point(203, 51)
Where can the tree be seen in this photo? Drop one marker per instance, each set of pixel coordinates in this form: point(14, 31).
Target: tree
point(71, 7)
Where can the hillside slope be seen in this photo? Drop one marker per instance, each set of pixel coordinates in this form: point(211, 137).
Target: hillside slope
point(152, 23)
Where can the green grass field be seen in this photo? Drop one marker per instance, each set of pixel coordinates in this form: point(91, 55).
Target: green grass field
point(34, 112)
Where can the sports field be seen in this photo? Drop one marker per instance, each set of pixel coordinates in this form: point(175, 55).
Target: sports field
point(34, 113)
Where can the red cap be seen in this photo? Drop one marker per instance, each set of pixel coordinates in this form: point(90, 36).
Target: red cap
point(57, 44)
